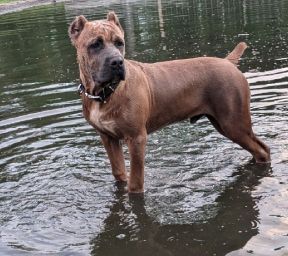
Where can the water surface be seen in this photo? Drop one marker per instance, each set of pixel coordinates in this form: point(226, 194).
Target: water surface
point(203, 194)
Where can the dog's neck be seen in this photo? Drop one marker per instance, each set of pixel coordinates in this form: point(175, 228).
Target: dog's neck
point(103, 94)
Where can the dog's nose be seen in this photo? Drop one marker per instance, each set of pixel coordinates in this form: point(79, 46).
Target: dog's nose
point(116, 62)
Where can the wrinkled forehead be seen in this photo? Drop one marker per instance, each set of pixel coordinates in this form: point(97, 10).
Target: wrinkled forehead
point(109, 31)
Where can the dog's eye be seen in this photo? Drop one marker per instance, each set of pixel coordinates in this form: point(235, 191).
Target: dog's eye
point(98, 44)
point(119, 43)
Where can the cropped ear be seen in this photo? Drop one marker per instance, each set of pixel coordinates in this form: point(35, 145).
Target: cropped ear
point(76, 28)
point(111, 16)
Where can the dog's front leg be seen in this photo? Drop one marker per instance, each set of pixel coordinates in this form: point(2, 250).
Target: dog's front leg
point(115, 153)
point(136, 146)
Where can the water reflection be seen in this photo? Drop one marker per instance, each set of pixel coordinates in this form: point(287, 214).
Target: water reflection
point(179, 29)
point(132, 231)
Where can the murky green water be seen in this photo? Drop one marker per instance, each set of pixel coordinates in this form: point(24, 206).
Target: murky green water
point(203, 195)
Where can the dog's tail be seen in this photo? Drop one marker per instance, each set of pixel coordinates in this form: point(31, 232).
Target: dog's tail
point(236, 54)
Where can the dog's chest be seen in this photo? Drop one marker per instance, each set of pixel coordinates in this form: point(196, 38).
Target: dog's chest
point(100, 121)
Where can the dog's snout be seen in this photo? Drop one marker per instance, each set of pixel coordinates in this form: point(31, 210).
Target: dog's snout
point(117, 67)
point(116, 63)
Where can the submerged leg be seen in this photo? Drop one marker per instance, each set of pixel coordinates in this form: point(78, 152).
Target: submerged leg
point(136, 146)
point(115, 153)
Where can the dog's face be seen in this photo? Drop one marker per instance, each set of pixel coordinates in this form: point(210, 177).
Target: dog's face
point(100, 50)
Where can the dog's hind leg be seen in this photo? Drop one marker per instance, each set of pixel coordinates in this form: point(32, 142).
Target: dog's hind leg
point(259, 150)
point(243, 135)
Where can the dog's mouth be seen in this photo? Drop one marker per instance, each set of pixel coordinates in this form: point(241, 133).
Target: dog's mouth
point(112, 83)
point(116, 78)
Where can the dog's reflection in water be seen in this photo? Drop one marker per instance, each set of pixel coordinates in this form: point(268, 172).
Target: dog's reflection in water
point(129, 230)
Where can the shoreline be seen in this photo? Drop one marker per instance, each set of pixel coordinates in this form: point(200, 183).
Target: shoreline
point(20, 5)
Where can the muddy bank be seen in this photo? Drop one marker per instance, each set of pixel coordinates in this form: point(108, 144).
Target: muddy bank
point(20, 5)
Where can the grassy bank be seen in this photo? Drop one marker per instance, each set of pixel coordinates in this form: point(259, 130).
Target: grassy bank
point(7, 1)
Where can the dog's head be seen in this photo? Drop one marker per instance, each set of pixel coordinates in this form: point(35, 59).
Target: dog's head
point(100, 50)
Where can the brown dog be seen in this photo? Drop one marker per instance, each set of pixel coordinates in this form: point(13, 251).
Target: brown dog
point(124, 99)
